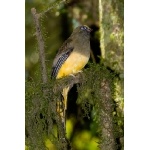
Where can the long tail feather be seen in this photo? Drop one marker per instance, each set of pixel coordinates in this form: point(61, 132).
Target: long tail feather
point(61, 109)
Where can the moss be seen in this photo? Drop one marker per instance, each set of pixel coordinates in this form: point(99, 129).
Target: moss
point(96, 93)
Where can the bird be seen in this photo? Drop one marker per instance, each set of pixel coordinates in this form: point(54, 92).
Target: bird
point(70, 59)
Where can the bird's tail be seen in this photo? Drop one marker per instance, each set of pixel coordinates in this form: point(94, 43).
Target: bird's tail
point(61, 109)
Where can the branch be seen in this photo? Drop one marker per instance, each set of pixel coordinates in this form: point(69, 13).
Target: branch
point(68, 81)
point(106, 117)
point(40, 44)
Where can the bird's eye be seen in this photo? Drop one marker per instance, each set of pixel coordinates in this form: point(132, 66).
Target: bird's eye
point(83, 28)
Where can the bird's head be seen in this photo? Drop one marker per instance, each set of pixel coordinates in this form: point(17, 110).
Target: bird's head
point(82, 30)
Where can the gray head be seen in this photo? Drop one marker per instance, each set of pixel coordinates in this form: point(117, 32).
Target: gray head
point(82, 31)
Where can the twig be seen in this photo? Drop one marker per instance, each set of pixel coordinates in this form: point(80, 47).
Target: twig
point(54, 5)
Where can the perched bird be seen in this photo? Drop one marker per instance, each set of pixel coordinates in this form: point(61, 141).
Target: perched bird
point(72, 56)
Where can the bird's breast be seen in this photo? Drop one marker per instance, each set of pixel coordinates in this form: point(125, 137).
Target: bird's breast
point(74, 63)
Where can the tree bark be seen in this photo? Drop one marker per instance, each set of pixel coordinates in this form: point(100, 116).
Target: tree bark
point(106, 118)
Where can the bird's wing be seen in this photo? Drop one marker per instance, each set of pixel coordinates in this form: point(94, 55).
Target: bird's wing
point(61, 56)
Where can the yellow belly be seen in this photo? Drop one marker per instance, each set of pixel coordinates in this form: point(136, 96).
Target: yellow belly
point(74, 63)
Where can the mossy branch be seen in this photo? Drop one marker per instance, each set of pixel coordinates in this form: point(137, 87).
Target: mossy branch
point(68, 81)
point(106, 118)
point(40, 40)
